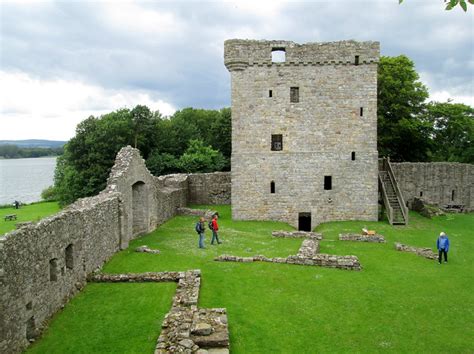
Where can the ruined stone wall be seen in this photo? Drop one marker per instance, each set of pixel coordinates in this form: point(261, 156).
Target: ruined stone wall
point(209, 188)
point(330, 131)
point(437, 182)
point(44, 264)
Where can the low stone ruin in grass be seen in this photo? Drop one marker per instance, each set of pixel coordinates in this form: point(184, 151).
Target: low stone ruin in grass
point(146, 249)
point(362, 238)
point(308, 254)
point(423, 252)
point(186, 328)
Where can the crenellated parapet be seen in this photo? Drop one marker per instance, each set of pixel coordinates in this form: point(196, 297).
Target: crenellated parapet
point(239, 53)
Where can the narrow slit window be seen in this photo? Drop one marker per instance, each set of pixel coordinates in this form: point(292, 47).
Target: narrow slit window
point(453, 195)
point(294, 94)
point(327, 183)
point(421, 193)
point(30, 329)
point(361, 113)
point(70, 257)
point(272, 187)
point(277, 142)
point(53, 269)
point(353, 155)
point(356, 60)
point(278, 55)
point(270, 93)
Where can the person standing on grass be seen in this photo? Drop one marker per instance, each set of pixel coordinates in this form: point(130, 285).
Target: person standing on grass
point(215, 228)
point(443, 247)
point(200, 229)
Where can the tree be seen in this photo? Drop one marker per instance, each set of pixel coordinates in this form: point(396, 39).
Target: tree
point(88, 157)
point(453, 134)
point(402, 134)
point(201, 158)
point(451, 4)
point(162, 163)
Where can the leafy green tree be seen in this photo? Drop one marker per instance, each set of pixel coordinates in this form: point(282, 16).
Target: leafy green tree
point(451, 4)
point(49, 194)
point(402, 134)
point(90, 154)
point(201, 158)
point(162, 163)
point(453, 134)
point(221, 134)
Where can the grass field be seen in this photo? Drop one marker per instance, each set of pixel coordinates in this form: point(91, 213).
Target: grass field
point(29, 212)
point(398, 303)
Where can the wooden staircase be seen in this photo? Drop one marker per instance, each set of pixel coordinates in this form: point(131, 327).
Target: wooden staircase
point(395, 207)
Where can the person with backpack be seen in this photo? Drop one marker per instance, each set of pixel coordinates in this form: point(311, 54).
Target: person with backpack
point(200, 229)
point(214, 227)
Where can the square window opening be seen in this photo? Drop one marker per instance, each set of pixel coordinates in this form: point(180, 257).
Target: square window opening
point(277, 142)
point(278, 55)
point(294, 94)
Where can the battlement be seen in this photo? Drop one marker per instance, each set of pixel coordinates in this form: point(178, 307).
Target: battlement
point(240, 53)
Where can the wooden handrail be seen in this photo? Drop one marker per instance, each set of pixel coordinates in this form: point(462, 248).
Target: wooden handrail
point(396, 188)
point(386, 201)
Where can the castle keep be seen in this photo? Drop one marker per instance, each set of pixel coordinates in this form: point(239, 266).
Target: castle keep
point(304, 130)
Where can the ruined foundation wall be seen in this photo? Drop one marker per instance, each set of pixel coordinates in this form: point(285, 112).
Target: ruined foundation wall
point(439, 183)
point(45, 264)
point(209, 188)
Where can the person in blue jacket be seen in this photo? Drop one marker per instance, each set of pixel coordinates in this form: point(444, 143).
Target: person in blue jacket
point(443, 247)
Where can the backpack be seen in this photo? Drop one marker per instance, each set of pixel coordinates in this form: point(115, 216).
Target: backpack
point(210, 225)
point(198, 227)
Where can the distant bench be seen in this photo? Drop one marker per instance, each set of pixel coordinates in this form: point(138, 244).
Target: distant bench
point(10, 217)
point(454, 207)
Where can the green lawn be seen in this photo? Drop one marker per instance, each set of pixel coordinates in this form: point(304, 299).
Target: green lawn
point(399, 302)
point(29, 212)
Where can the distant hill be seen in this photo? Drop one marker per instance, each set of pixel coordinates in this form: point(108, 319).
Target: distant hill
point(34, 143)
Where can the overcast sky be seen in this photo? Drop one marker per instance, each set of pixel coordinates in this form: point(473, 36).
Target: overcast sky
point(62, 61)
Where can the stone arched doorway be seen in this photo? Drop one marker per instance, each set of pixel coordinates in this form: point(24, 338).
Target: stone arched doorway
point(139, 208)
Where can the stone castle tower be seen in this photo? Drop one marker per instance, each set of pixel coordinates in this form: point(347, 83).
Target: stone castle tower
point(304, 131)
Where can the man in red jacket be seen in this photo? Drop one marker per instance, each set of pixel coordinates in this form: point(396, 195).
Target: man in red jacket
point(215, 228)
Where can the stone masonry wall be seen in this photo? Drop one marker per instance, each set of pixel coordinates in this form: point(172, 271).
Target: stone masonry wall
point(43, 264)
point(438, 183)
point(334, 118)
point(209, 188)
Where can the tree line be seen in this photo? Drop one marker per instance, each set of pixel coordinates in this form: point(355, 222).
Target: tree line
point(10, 151)
point(199, 140)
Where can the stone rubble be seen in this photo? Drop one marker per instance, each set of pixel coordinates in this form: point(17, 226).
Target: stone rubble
point(362, 238)
point(423, 252)
point(297, 234)
point(309, 248)
point(146, 249)
point(321, 260)
point(185, 328)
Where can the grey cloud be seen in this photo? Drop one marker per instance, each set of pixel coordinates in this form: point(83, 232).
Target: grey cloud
point(72, 41)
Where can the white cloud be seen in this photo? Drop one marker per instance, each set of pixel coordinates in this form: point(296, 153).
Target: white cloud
point(445, 96)
point(51, 109)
